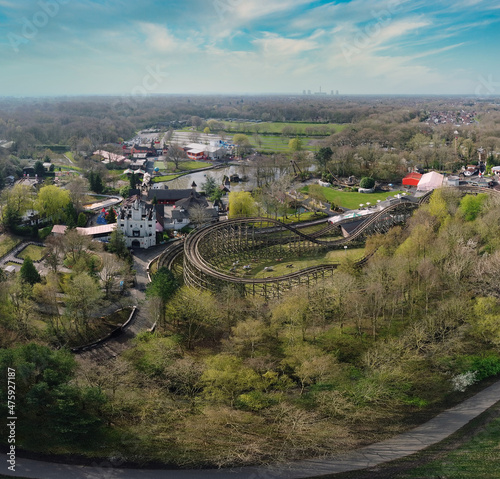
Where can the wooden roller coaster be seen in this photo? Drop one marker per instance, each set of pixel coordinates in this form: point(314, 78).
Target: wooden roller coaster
point(209, 250)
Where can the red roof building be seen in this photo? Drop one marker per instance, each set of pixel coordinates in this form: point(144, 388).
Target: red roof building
point(412, 179)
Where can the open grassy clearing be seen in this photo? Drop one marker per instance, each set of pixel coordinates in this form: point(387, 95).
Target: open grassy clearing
point(479, 458)
point(7, 242)
point(268, 144)
point(283, 267)
point(159, 179)
point(36, 253)
point(69, 154)
point(352, 200)
point(272, 127)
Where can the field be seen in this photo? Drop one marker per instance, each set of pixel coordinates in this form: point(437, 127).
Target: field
point(283, 268)
point(352, 200)
point(267, 144)
point(159, 179)
point(319, 129)
point(7, 242)
point(36, 253)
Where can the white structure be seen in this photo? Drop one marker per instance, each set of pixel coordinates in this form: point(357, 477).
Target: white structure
point(430, 181)
point(137, 220)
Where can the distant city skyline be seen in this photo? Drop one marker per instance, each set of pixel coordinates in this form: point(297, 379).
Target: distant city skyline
point(356, 47)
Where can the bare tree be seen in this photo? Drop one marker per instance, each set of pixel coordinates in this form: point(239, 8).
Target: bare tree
point(176, 155)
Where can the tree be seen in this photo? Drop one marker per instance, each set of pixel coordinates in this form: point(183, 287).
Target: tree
point(55, 411)
point(111, 269)
point(163, 285)
point(295, 144)
point(39, 169)
point(242, 143)
point(78, 188)
point(241, 204)
point(28, 272)
point(111, 216)
point(226, 377)
point(52, 201)
point(82, 220)
point(133, 181)
point(176, 155)
point(55, 248)
point(117, 243)
point(75, 244)
point(95, 182)
point(367, 183)
point(323, 156)
point(82, 295)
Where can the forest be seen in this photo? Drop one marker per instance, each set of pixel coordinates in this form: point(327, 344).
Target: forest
point(230, 380)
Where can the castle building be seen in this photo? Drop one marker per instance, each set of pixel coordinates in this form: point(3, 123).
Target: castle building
point(137, 220)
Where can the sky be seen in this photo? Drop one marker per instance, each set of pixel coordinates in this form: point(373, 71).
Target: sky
point(149, 47)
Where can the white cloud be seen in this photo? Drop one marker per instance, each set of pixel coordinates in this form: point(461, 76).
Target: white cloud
point(274, 45)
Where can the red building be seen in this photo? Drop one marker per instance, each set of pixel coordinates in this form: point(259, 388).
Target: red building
point(412, 179)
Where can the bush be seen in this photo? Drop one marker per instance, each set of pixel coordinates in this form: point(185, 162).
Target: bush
point(367, 182)
point(44, 232)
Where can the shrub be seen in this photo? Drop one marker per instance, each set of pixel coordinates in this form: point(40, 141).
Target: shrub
point(367, 182)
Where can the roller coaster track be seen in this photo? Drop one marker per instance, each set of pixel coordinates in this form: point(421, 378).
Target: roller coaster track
point(201, 273)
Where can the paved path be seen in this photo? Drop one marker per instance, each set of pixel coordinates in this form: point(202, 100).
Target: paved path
point(400, 446)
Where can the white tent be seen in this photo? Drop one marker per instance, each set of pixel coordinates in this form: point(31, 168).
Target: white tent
point(430, 181)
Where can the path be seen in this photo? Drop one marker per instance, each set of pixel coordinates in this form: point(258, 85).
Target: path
point(142, 319)
point(411, 442)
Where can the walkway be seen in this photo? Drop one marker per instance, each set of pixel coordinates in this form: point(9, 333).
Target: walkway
point(400, 446)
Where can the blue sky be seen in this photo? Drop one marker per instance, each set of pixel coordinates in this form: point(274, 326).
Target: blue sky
point(72, 47)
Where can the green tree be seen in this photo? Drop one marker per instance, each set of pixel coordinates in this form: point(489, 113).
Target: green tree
point(471, 206)
point(82, 295)
point(117, 243)
point(163, 285)
point(295, 144)
point(82, 220)
point(323, 156)
point(39, 169)
point(28, 272)
point(241, 204)
point(367, 182)
point(52, 201)
point(226, 377)
point(111, 216)
point(51, 410)
point(134, 181)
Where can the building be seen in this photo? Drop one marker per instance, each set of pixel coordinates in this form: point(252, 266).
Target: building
point(100, 233)
point(412, 179)
point(167, 196)
point(137, 220)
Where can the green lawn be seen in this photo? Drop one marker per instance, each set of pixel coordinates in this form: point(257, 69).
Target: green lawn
point(281, 269)
point(69, 154)
point(159, 179)
point(479, 458)
point(36, 253)
point(352, 200)
point(267, 144)
point(324, 129)
point(7, 242)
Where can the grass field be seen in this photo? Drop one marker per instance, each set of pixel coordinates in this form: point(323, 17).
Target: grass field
point(69, 154)
point(36, 253)
point(272, 127)
point(283, 268)
point(7, 242)
point(267, 144)
point(159, 179)
point(479, 458)
point(352, 200)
